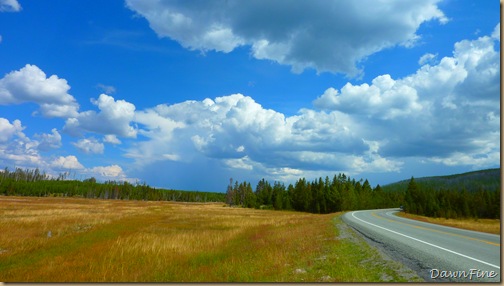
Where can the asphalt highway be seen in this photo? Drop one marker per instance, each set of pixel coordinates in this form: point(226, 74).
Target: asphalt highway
point(437, 253)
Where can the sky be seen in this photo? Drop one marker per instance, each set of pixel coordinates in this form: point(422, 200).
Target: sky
point(188, 94)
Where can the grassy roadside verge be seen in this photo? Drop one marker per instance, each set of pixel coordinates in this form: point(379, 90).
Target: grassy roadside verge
point(354, 260)
point(134, 241)
point(482, 225)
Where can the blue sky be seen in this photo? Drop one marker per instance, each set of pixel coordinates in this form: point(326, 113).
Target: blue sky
point(186, 94)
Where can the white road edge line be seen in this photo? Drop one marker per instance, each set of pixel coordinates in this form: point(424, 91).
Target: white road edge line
point(416, 239)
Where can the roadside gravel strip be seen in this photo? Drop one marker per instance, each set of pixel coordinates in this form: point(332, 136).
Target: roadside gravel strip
point(437, 254)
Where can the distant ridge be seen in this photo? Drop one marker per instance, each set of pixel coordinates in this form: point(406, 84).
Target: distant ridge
point(488, 179)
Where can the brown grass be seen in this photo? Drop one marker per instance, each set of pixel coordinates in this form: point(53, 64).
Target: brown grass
point(482, 225)
point(138, 241)
point(105, 240)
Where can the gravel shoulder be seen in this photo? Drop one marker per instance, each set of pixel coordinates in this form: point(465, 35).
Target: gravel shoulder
point(379, 257)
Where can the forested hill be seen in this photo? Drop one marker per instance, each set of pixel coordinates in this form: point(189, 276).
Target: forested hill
point(487, 180)
point(468, 195)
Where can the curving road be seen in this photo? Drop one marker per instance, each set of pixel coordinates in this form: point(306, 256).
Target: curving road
point(437, 253)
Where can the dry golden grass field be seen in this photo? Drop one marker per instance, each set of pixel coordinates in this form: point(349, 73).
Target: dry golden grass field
point(483, 225)
point(89, 240)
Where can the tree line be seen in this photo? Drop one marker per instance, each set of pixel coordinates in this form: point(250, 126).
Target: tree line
point(341, 193)
point(35, 183)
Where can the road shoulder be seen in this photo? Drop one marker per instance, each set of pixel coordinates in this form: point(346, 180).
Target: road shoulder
point(377, 255)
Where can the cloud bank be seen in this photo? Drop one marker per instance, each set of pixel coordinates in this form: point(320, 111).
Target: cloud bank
point(328, 36)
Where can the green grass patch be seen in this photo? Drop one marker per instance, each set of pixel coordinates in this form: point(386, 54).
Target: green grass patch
point(348, 258)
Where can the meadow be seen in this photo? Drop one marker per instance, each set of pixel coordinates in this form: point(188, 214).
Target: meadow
point(92, 240)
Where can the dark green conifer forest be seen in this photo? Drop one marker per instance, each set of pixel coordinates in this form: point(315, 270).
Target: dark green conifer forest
point(34, 183)
point(341, 193)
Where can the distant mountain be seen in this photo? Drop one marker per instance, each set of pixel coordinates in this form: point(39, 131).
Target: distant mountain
point(489, 179)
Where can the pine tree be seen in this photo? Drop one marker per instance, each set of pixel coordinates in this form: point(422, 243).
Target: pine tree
point(229, 193)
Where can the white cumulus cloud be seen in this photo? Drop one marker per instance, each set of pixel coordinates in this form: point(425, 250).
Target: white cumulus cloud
point(30, 84)
point(112, 172)
point(49, 141)
point(17, 149)
point(9, 6)
point(427, 59)
point(89, 146)
point(324, 35)
point(113, 119)
point(66, 163)
point(112, 139)
point(496, 32)
point(8, 130)
point(244, 135)
point(385, 98)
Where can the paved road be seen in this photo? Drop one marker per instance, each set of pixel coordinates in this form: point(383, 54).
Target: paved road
point(437, 253)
